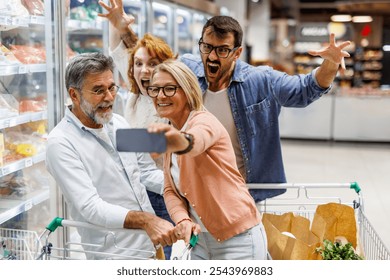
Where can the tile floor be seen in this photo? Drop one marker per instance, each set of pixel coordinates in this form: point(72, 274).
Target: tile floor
point(342, 162)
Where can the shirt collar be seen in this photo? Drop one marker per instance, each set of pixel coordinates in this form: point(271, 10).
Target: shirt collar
point(70, 117)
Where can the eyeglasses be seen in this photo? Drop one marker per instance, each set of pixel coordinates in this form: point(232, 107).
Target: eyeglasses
point(221, 51)
point(168, 91)
point(100, 92)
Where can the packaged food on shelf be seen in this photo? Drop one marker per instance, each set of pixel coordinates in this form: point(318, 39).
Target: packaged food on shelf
point(14, 8)
point(15, 185)
point(23, 141)
point(29, 54)
point(32, 105)
point(7, 57)
point(35, 7)
point(9, 106)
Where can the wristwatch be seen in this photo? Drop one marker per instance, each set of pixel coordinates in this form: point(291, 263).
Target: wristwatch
point(190, 139)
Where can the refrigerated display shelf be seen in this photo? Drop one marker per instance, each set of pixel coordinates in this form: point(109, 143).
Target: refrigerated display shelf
point(74, 24)
point(21, 164)
point(7, 70)
point(12, 207)
point(21, 119)
point(21, 21)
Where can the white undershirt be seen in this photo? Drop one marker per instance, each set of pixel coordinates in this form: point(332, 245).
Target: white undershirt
point(218, 104)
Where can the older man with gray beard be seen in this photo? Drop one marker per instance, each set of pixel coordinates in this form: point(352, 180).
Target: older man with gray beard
point(101, 185)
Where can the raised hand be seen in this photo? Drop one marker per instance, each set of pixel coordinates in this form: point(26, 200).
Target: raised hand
point(333, 52)
point(116, 15)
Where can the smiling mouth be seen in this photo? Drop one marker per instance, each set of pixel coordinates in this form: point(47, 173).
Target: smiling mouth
point(105, 108)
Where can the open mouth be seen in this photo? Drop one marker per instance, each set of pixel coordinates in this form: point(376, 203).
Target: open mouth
point(145, 82)
point(213, 67)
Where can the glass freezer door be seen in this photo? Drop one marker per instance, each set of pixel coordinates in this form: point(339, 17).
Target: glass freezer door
point(24, 91)
point(162, 22)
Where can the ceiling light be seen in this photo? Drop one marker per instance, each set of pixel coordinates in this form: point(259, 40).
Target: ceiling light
point(361, 19)
point(386, 48)
point(341, 18)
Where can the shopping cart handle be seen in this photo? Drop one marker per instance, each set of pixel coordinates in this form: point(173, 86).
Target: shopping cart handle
point(54, 224)
point(355, 186)
point(194, 240)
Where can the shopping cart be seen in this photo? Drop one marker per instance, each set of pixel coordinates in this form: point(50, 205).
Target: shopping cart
point(16, 244)
point(186, 252)
point(302, 199)
point(78, 250)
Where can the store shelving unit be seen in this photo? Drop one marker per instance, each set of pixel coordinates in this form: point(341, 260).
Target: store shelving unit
point(368, 66)
point(23, 122)
point(85, 28)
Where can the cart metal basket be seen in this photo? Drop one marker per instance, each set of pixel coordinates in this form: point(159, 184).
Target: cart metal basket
point(302, 199)
point(77, 250)
point(18, 244)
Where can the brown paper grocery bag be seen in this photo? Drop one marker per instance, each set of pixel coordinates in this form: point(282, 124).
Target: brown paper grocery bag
point(283, 247)
point(340, 221)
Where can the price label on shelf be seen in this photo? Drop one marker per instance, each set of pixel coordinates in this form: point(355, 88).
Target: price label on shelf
point(5, 123)
point(5, 170)
point(4, 20)
point(23, 69)
point(28, 205)
point(28, 162)
point(33, 19)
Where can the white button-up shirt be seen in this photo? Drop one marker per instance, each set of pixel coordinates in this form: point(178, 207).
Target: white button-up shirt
point(100, 184)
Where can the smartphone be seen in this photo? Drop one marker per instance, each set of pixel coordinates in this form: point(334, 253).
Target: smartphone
point(140, 140)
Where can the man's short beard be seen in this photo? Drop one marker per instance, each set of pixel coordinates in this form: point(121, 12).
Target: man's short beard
point(87, 109)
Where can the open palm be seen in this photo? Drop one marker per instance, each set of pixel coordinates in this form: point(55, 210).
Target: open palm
point(333, 52)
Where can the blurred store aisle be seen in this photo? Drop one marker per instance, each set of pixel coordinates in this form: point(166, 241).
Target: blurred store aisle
point(341, 162)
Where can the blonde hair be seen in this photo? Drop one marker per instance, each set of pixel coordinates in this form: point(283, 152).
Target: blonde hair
point(186, 79)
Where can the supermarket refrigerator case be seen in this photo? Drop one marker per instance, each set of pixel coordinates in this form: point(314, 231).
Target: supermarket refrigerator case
point(26, 88)
point(37, 39)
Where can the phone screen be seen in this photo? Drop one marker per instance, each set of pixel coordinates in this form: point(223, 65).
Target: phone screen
point(140, 140)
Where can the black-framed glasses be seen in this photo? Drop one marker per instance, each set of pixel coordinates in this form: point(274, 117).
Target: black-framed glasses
point(168, 91)
point(100, 92)
point(221, 51)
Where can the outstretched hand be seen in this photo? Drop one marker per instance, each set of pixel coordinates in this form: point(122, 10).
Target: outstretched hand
point(333, 52)
point(175, 139)
point(116, 15)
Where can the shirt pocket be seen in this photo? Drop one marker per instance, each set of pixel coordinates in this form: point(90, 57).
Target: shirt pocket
point(259, 116)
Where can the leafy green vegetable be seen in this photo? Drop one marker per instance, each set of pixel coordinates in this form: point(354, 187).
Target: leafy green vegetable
point(337, 251)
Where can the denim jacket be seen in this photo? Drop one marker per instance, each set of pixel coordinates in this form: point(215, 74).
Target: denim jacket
point(256, 96)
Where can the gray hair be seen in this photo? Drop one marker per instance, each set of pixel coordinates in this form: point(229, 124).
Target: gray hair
point(84, 64)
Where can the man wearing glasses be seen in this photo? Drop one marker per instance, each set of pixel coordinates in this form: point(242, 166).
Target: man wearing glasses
point(102, 186)
point(247, 99)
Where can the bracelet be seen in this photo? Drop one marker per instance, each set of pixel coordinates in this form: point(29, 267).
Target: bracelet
point(190, 139)
point(185, 219)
